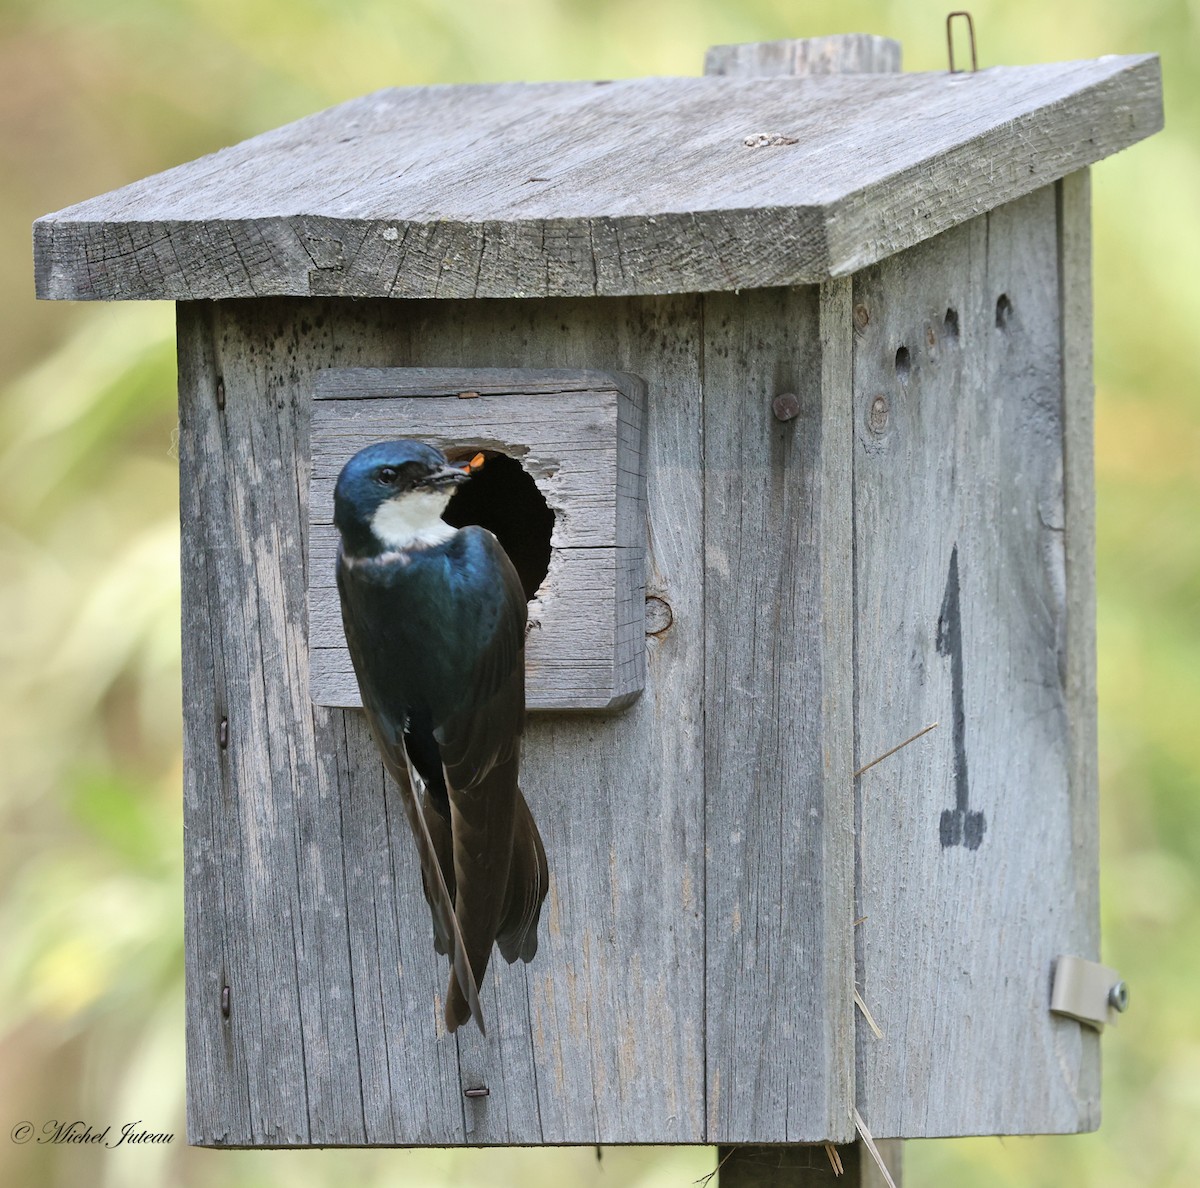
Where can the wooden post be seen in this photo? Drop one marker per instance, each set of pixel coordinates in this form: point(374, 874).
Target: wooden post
point(796, 1166)
point(809, 1165)
point(843, 53)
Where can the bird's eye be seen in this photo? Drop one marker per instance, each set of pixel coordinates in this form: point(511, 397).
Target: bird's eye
point(387, 474)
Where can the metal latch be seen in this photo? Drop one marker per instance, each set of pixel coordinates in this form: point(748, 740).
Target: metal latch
point(1087, 991)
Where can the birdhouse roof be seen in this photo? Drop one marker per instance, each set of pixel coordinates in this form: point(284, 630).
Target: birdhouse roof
point(652, 185)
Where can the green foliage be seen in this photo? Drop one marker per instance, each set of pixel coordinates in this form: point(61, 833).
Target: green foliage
point(91, 875)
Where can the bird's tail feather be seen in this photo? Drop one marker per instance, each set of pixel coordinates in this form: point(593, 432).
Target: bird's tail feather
point(439, 831)
point(513, 918)
point(445, 919)
point(528, 882)
point(482, 816)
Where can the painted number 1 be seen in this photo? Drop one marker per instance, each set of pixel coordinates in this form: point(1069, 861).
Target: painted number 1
point(960, 825)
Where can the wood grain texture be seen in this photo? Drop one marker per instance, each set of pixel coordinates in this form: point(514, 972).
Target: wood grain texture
point(814, 943)
point(1075, 286)
point(303, 893)
point(514, 190)
point(842, 53)
point(968, 858)
point(578, 435)
point(778, 722)
point(836, 570)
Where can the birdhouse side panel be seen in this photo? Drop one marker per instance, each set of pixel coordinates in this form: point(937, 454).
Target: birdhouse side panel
point(976, 858)
point(315, 993)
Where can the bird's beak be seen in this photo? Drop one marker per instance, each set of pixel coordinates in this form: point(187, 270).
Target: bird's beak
point(448, 476)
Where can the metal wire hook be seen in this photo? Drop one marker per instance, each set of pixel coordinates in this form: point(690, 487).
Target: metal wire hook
point(962, 12)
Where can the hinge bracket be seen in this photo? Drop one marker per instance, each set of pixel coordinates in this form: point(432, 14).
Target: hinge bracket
point(1087, 991)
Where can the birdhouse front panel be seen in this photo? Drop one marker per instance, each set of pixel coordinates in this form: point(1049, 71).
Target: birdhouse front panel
point(700, 866)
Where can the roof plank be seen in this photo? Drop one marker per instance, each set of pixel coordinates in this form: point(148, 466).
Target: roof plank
point(569, 189)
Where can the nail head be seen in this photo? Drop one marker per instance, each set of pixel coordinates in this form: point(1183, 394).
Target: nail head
point(786, 406)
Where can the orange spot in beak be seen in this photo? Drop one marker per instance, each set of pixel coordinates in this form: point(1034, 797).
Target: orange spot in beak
point(476, 463)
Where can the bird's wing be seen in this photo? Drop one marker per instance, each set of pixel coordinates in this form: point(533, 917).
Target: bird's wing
point(448, 923)
point(480, 743)
point(484, 727)
point(389, 737)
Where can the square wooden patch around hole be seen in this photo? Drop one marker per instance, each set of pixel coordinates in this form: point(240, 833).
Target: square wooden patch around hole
point(578, 436)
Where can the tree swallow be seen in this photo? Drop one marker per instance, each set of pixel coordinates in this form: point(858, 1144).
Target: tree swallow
point(435, 621)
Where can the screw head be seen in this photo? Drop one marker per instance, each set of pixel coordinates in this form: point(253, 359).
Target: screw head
point(1118, 997)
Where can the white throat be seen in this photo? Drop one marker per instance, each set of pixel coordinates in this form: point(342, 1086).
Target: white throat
point(412, 520)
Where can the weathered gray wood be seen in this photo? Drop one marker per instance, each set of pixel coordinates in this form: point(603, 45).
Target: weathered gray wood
point(777, 723)
point(304, 894)
point(219, 950)
point(836, 570)
point(765, 957)
point(362, 383)
point(817, 936)
point(578, 435)
point(961, 618)
point(260, 902)
point(1075, 290)
point(842, 53)
point(800, 1166)
point(541, 190)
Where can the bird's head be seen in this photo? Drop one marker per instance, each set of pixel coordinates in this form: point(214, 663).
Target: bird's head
point(391, 496)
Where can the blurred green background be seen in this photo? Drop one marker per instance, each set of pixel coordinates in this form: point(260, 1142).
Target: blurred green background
point(97, 93)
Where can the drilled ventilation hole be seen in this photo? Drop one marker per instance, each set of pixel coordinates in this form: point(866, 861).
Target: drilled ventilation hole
point(1004, 309)
point(903, 365)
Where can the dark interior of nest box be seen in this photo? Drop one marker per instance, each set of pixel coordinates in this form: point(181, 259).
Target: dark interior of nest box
point(504, 499)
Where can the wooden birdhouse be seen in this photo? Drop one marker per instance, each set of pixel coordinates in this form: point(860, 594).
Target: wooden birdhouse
point(784, 374)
